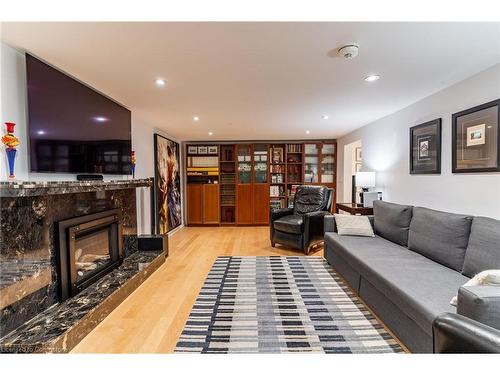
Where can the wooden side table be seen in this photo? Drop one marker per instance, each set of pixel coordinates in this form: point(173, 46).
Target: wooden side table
point(354, 208)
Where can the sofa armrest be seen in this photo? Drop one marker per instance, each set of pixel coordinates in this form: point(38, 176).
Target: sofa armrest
point(276, 213)
point(480, 303)
point(453, 333)
point(329, 224)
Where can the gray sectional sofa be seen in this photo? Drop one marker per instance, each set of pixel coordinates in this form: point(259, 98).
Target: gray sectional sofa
point(418, 260)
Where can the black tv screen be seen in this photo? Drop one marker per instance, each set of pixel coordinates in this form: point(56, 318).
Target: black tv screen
point(73, 128)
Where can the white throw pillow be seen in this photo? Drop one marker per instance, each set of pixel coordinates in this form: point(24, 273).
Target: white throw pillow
point(488, 277)
point(353, 225)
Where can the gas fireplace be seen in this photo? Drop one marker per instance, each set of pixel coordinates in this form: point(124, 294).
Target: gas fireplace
point(89, 247)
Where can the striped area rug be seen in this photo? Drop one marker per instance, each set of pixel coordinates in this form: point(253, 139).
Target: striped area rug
point(280, 305)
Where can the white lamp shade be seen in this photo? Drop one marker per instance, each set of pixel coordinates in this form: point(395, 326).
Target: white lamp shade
point(365, 179)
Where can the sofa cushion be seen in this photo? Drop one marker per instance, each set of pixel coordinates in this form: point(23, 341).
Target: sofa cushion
point(483, 250)
point(392, 221)
point(440, 236)
point(420, 287)
point(290, 224)
point(353, 225)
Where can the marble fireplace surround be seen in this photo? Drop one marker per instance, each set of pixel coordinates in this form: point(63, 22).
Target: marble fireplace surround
point(32, 319)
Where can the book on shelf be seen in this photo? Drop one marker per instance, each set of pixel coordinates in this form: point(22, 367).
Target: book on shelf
point(294, 148)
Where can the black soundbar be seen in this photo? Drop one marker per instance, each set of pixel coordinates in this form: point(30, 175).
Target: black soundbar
point(89, 177)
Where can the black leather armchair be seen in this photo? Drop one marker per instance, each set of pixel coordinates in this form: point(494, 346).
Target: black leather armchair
point(299, 227)
point(455, 333)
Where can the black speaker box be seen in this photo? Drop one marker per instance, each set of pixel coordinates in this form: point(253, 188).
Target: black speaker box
point(152, 242)
point(89, 177)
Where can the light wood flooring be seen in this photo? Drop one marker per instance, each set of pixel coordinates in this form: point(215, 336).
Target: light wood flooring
point(151, 319)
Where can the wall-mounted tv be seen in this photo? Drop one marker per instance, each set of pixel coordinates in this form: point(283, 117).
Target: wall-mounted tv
point(72, 127)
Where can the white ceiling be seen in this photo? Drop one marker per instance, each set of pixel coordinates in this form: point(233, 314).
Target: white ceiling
point(262, 80)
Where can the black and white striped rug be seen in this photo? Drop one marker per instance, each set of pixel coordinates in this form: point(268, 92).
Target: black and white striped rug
point(280, 305)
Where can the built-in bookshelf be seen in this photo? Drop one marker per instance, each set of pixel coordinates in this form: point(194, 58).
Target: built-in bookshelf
point(294, 170)
point(227, 184)
point(249, 174)
point(277, 176)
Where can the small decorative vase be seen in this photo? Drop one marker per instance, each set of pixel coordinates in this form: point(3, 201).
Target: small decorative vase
point(133, 161)
point(11, 157)
point(10, 141)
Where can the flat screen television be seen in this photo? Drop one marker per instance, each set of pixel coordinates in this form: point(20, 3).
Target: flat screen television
point(72, 127)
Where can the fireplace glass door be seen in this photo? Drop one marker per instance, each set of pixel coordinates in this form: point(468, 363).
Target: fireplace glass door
point(92, 253)
point(90, 246)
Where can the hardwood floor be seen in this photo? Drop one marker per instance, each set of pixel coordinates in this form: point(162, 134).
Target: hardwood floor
point(151, 319)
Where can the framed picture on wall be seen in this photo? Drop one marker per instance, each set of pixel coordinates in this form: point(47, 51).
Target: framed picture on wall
point(359, 157)
point(202, 149)
point(425, 148)
point(213, 150)
point(192, 150)
point(476, 139)
point(167, 184)
point(358, 167)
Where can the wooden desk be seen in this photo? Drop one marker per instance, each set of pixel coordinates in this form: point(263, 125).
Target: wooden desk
point(354, 208)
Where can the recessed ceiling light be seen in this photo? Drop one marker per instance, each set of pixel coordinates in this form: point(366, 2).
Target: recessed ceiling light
point(40, 132)
point(196, 118)
point(210, 133)
point(308, 132)
point(160, 82)
point(100, 119)
point(324, 117)
point(372, 78)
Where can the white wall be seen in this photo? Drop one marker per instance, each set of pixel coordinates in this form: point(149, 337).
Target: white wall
point(386, 151)
point(349, 169)
point(13, 109)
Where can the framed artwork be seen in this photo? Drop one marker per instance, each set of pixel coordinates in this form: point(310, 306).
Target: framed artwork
point(202, 149)
point(167, 185)
point(476, 139)
point(359, 157)
point(192, 150)
point(213, 150)
point(357, 167)
point(425, 148)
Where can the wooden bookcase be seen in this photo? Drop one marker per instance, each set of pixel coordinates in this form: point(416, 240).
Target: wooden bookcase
point(252, 177)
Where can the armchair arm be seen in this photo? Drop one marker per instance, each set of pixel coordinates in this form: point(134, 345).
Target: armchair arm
point(453, 333)
point(480, 303)
point(329, 224)
point(276, 213)
point(314, 225)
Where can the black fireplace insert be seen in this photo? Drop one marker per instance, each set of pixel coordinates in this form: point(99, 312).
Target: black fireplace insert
point(89, 247)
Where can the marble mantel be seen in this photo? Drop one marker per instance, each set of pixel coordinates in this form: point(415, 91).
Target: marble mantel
point(37, 188)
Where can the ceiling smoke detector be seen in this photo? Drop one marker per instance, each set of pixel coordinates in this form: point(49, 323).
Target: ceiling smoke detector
point(349, 51)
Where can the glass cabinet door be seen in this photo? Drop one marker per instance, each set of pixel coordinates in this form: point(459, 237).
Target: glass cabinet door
point(260, 163)
point(328, 163)
point(311, 163)
point(244, 164)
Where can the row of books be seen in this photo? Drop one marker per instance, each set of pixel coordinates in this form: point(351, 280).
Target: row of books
point(294, 148)
point(279, 168)
point(202, 171)
point(276, 191)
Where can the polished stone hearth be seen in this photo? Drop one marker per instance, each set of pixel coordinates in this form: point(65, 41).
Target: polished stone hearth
point(61, 327)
